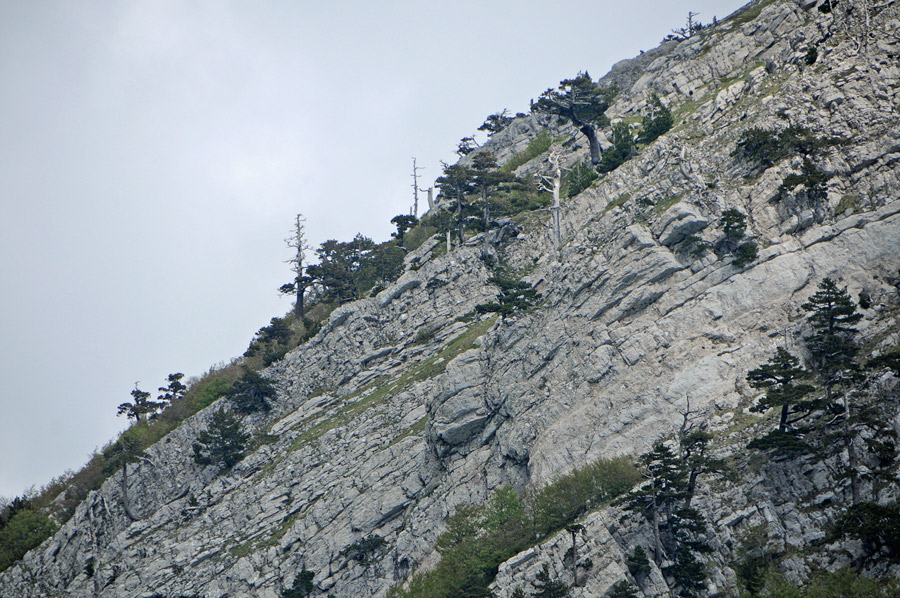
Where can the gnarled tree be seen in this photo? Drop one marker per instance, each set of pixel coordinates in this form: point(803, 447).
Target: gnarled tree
point(581, 101)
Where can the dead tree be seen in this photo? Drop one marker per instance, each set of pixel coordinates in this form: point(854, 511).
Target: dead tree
point(415, 186)
point(551, 183)
point(297, 241)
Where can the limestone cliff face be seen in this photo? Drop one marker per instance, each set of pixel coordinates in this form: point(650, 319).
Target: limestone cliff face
point(399, 410)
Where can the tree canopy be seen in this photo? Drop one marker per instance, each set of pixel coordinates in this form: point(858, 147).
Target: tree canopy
point(141, 406)
point(582, 102)
point(782, 379)
point(222, 443)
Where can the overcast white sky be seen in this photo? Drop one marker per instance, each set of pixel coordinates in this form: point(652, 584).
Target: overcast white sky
point(153, 155)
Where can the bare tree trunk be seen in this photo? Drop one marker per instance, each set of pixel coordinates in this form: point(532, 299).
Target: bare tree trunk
point(459, 221)
point(298, 305)
point(782, 424)
point(591, 134)
point(852, 463)
point(486, 213)
point(298, 241)
point(574, 559)
point(557, 227)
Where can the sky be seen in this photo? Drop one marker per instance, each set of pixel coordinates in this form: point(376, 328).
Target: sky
point(154, 154)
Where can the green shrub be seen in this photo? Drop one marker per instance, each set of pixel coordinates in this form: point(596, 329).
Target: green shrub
point(424, 335)
point(579, 179)
point(418, 235)
point(210, 390)
point(623, 149)
point(479, 538)
point(810, 177)
point(25, 530)
point(251, 393)
point(876, 526)
point(745, 253)
point(515, 296)
point(569, 496)
point(843, 583)
point(657, 122)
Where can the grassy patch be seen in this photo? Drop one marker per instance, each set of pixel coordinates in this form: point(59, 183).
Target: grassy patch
point(665, 204)
point(375, 392)
point(538, 146)
point(414, 430)
point(480, 537)
point(746, 15)
point(418, 235)
point(262, 542)
point(848, 202)
point(617, 202)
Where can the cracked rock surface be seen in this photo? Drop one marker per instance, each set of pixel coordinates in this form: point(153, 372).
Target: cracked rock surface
point(382, 433)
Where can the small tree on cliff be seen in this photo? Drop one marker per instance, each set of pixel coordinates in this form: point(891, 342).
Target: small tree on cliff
point(175, 390)
point(781, 378)
point(581, 101)
point(403, 222)
point(222, 443)
point(141, 407)
point(456, 184)
point(833, 315)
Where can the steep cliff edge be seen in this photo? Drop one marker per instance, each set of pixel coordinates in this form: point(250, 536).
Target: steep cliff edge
point(401, 408)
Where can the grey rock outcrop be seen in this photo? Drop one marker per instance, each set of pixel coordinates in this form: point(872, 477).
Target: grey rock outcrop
point(383, 430)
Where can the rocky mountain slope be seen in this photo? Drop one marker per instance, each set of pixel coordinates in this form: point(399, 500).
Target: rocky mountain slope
point(400, 410)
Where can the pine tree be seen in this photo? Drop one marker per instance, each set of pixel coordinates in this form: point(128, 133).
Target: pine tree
point(174, 391)
point(457, 183)
point(734, 224)
point(781, 379)
point(623, 148)
point(581, 101)
point(664, 491)
point(403, 222)
point(664, 500)
point(515, 296)
point(496, 122)
point(251, 393)
point(222, 443)
point(832, 315)
point(141, 407)
point(545, 586)
point(657, 121)
point(622, 589)
point(637, 562)
point(302, 587)
point(486, 177)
